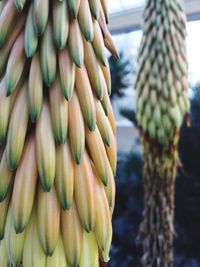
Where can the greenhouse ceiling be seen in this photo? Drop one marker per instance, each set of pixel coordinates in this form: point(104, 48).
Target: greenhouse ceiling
point(126, 15)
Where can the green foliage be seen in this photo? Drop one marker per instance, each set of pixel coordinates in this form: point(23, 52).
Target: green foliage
point(188, 183)
point(121, 75)
point(129, 114)
point(128, 212)
point(189, 145)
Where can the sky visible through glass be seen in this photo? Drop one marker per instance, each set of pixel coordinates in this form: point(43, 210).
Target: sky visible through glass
point(119, 5)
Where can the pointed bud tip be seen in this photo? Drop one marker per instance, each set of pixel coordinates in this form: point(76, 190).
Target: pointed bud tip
point(46, 187)
point(19, 229)
point(78, 158)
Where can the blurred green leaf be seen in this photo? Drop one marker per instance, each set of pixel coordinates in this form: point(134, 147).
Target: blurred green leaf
point(122, 71)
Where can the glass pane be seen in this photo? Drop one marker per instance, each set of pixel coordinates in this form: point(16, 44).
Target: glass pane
point(193, 50)
point(127, 44)
point(120, 5)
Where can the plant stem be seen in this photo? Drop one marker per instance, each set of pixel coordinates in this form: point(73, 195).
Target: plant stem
point(156, 230)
